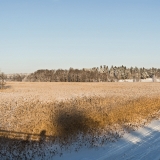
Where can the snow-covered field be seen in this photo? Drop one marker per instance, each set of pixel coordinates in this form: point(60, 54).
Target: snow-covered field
point(141, 80)
point(143, 144)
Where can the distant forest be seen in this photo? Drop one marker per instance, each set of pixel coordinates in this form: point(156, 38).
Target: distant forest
point(96, 74)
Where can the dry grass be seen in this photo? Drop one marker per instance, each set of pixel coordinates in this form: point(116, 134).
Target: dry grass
point(65, 110)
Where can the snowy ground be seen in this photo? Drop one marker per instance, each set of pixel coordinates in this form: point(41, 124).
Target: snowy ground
point(143, 144)
point(142, 80)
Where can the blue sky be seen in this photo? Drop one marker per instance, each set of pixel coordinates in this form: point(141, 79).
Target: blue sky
point(52, 34)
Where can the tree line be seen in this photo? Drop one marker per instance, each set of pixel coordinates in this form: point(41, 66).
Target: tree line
point(96, 74)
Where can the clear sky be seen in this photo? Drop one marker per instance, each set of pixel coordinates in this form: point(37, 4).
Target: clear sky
point(52, 34)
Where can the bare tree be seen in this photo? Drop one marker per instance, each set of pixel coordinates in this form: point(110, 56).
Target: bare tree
point(2, 80)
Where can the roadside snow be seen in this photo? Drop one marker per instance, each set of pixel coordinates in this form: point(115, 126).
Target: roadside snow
point(143, 144)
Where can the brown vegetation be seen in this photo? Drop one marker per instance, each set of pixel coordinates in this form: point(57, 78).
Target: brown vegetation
point(102, 112)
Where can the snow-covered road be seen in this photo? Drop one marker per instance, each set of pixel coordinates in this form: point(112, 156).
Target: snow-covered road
point(143, 144)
